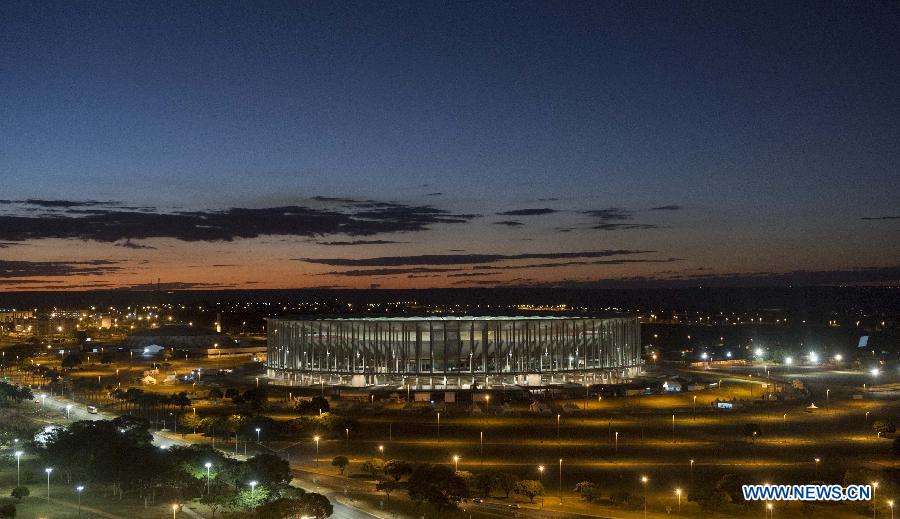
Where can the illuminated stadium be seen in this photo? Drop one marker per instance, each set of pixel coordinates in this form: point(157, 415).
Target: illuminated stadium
point(453, 352)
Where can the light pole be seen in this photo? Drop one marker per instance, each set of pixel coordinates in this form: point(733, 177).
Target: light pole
point(481, 442)
point(874, 508)
point(68, 408)
point(678, 493)
point(347, 430)
point(557, 426)
point(644, 482)
point(541, 479)
point(817, 460)
point(694, 412)
point(456, 463)
point(692, 472)
point(257, 434)
point(381, 451)
point(78, 489)
point(890, 504)
point(252, 488)
point(770, 509)
point(560, 481)
point(316, 438)
point(617, 442)
point(208, 466)
point(827, 395)
point(48, 470)
point(174, 510)
point(439, 425)
point(18, 468)
point(673, 427)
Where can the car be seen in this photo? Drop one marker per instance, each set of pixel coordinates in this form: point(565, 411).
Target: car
point(91, 409)
point(514, 506)
point(478, 500)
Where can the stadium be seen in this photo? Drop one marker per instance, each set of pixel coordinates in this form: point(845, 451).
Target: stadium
point(452, 352)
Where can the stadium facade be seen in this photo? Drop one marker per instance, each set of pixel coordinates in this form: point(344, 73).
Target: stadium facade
point(452, 352)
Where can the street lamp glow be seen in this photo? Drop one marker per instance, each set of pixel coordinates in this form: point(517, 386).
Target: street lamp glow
point(788, 360)
point(813, 357)
point(758, 352)
point(253, 487)
point(875, 372)
point(838, 357)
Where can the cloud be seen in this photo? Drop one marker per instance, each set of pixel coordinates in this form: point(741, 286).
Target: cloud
point(509, 223)
point(528, 212)
point(462, 259)
point(26, 269)
point(881, 217)
point(358, 242)
point(861, 276)
point(128, 244)
point(183, 285)
point(667, 208)
point(351, 217)
point(615, 219)
point(622, 261)
point(470, 274)
point(386, 271)
point(61, 204)
point(435, 194)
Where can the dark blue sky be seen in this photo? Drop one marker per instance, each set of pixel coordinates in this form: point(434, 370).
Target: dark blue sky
point(768, 131)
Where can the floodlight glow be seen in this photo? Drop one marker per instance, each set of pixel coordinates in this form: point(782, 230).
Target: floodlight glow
point(813, 357)
point(789, 360)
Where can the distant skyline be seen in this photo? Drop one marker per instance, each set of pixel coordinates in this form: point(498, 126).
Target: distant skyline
point(417, 145)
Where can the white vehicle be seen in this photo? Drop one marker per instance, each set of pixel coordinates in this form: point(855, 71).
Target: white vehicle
point(91, 409)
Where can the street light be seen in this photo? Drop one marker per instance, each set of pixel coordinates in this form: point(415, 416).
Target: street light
point(541, 479)
point(557, 426)
point(560, 481)
point(208, 466)
point(68, 408)
point(644, 482)
point(174, 510)
point(874, 508)
point(817, 460)
point(18, 468)
point(617, 442)
point(439, 425)
point(316, 438)
point(770, 509)
point(257, 434)
point(678, 493)
point(252, 488)
point(456, 463)
point(692, 471)
point(78, 489)
point(48, 470)
point(890, 504)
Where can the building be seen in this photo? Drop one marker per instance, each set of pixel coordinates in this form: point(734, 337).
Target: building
point(178, 337)
point(453, 352)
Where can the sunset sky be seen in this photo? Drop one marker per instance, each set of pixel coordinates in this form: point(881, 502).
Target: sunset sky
point(439, 144)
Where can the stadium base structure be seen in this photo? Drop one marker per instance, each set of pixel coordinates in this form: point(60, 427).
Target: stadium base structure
point(452, 352)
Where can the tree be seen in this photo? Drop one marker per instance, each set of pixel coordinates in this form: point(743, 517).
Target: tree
point(387, 486)
point(883, 427)
point(340, 462)
point(485, 482)
point(397, 469)
point(270, 469)
point(316, 405)
point(710, 500)
point(587, 490)
point(529, 488)
point(191, 421)
point(752, 430)
point(7, 510)
point(220, 495)
point(506, 482)
point(373, 466)
point(436, 485)
point(316, 505)
point(20, 492)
